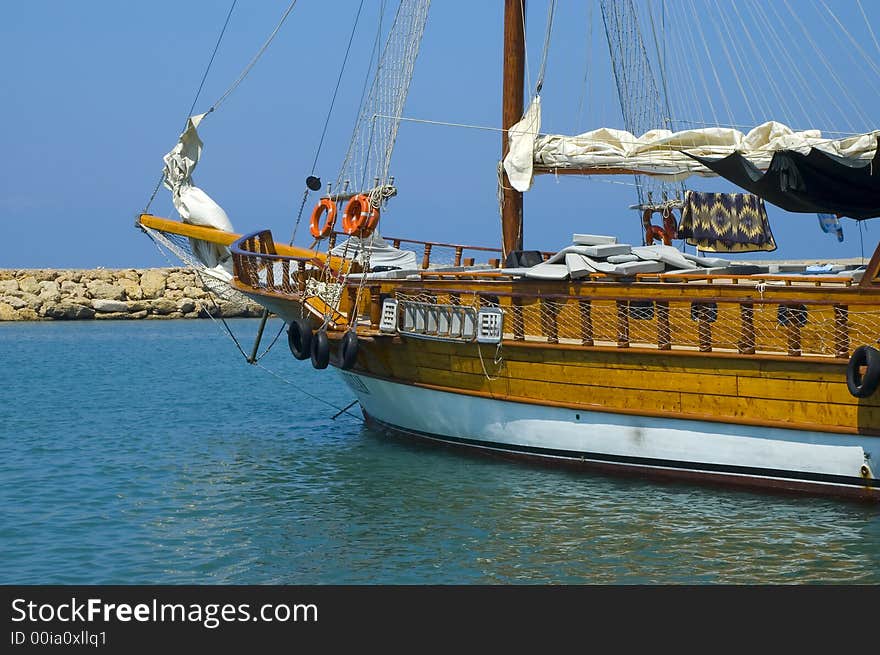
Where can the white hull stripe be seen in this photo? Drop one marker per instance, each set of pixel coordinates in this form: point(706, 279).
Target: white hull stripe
point(538, 451)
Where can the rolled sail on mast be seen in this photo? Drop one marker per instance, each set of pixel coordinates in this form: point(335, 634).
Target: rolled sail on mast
point(662, 153)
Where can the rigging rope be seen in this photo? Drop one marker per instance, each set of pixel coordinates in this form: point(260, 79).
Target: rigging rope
point(641, 103)
point(832, 97)
point(868, 24)
point(543, 67)
point(586, 84)
point(211, 61)
point(307, 190)
point(198, 93)
point(181, 249)
point(253, 62)
point(234, 86)
point(338, 82)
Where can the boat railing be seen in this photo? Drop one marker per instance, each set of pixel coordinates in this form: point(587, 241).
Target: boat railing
point(710, 324)
point(257, 264)
point(437, 253)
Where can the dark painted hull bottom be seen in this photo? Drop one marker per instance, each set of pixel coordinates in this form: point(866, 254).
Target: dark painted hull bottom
point(622, 469)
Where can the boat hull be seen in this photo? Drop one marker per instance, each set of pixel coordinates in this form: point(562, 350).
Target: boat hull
point(752, 456)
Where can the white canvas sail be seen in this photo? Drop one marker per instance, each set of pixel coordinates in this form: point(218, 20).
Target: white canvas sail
point(662, 152)
point(194, 205)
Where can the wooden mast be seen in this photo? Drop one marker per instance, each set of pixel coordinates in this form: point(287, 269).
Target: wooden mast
point(511, 112)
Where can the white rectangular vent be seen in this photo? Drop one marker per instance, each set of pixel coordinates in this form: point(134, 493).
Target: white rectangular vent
point(490, 323)
point(438, 322)
point(388, 322)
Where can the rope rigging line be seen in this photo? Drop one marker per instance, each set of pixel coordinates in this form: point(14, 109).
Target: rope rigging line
point(661, 66)
point(750, 94)
point(754, 53)
point(854, 42)
point(832, 97)
point(676, 148)
point(198, 93)
point(868, 24)
point(711, 63)
point(723, 39)
point(180, 250)
point(307, 190)
point(587, 83)
point(685, 95)
point(211, 61)
point(806, 89)
point(850, 46)
point(253, 62)
point(340, 410)
point(773, 36)
point(641, 103)
point(543, 67)
point(235, 84)
point(522, 13)
point(372, 142)
point(338, 82)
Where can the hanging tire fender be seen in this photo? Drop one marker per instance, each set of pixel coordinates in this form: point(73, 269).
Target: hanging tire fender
point(348, 350)
point(320, 349)
point(863, 385)
point(299, 338)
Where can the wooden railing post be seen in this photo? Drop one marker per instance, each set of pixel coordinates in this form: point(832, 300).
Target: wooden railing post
point(664, 333)
point(375, 307)
point(458, 250)
point(796, 316)
point(704, 329)
point(270, 273)
point(301, 275)
point(585, 310)
point(353, 309)
point(841, 330)
point(426, 258)
point(622, 324)
point(519, 330)
point(747, 329)
point(548, 321)
point(285, 276)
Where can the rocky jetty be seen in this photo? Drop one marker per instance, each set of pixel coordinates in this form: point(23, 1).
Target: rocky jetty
point(153, 293)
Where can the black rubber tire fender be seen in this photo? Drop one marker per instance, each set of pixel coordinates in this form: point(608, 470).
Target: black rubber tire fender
point(299, 338)
point(859, 385)
point(320, 349)
point(348, 350)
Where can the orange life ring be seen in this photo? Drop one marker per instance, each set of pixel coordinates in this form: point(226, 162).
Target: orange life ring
point(669, 224)
point(360, 217)
point(656, 232)
point(315, 228)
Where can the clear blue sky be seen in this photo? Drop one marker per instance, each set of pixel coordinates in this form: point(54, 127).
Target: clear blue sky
point(95, 92)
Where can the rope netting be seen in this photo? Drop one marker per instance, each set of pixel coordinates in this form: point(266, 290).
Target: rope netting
point(368, 159)
point(365, 168)
point(213, 280)
point(642, 105)
point(760, 327)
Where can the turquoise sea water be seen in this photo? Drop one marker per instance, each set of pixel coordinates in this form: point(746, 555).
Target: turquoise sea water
point(148, 452)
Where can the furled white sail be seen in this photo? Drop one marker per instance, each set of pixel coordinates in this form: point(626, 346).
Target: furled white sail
point(194, 205)
point(662, 152)
point(521, 147)
point(382, 255)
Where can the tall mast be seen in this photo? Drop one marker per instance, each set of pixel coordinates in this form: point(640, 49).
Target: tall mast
point(511, 112)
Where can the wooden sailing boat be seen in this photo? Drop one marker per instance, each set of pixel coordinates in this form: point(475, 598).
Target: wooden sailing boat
point(642, 364)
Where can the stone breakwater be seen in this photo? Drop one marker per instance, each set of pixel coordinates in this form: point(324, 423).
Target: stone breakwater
point(153, 293)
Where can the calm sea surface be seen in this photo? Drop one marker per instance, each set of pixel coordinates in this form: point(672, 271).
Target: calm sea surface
point(148, 452)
